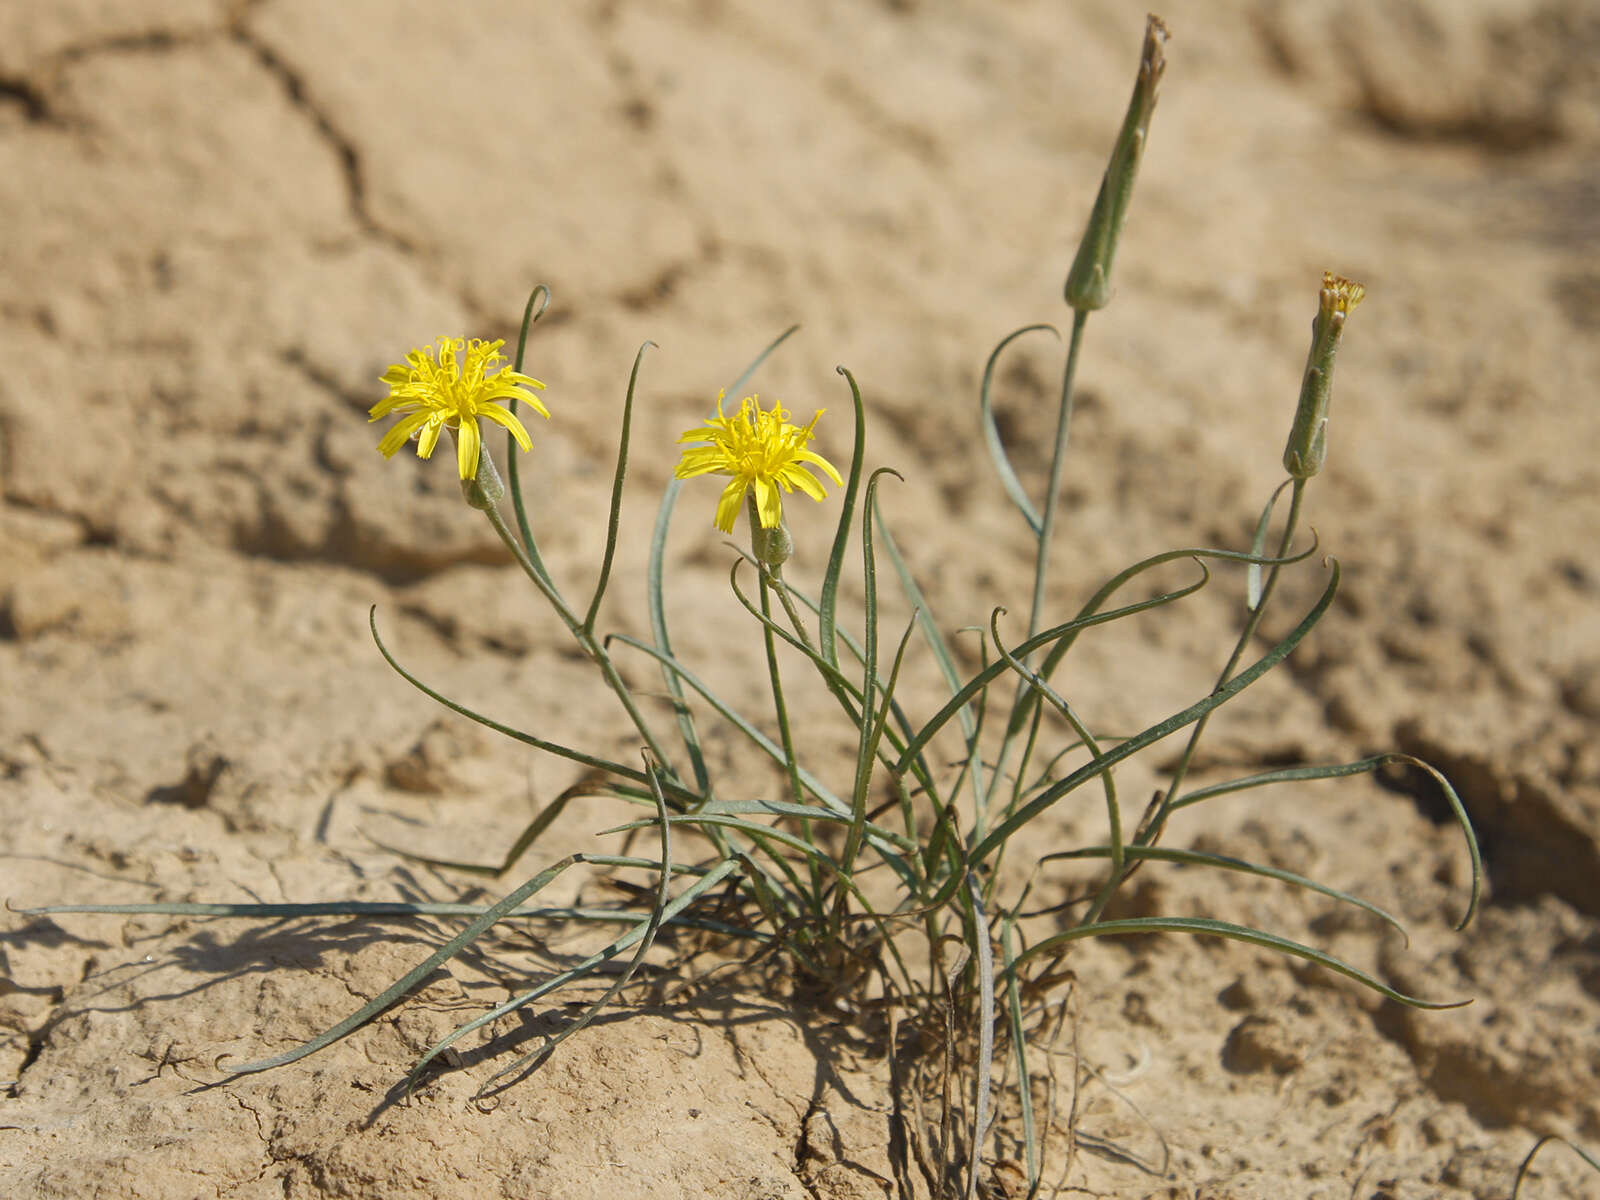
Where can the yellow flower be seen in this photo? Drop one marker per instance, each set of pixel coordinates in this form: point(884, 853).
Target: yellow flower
point(448, 393)
point(760, 450)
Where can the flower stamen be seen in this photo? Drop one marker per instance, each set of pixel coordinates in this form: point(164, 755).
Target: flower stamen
point(435, 391)
point(762, 451)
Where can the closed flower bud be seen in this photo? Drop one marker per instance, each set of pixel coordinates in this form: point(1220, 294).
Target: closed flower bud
point(1089, 281)
point(1308, 439)
point(774, 546)
point(484, 490)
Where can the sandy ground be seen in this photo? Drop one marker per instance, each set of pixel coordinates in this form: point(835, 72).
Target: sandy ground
point(223, 220)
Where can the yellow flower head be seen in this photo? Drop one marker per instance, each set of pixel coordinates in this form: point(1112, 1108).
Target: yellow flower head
point(448, 392)
point(1339, 295)
point(760, 450)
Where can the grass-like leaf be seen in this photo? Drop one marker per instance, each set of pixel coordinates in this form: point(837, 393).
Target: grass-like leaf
point(991, 430)
point(400, 987)
point(1199, 858)
point(625, 942)
point(614, 515)
point(646, 940)
point(828, 602)
point(538, 301)
point(1527, 1163)
point(1237, 933)
point(1362, 767)
point(677, 793)
point(981, 681)
point(1155, 733)
point(1258, 545)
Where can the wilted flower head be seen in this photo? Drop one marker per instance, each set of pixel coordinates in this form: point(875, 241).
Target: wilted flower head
point(759, 449)
point(438, 390)
point(1308, 438)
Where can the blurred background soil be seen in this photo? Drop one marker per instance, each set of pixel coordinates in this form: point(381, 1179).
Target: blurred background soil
point(223, 220)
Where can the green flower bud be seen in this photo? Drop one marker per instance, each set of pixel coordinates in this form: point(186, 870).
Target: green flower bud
point(484, 490)
point(1089, 281)
point(1308, 439)
point(772, 546)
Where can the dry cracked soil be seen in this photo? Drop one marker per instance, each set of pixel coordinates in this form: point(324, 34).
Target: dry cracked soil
point(223, 220)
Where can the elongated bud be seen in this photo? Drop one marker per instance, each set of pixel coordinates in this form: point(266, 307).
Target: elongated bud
point(1308, 439)
point(484, 490)
point(1089, 281)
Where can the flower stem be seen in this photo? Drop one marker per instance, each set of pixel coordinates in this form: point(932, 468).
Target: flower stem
point(770, 580)
point(592, 646)
point(1041, 568)
point(1155, 822)
point(1052, 500)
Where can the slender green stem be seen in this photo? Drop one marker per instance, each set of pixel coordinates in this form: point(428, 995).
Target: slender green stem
point(1108, 780)
point(983, 1083)
point(1041, 568)
point(780, 705)
point(538, 301)
point(780, 708)
point(786, 598)
point(590, 644)
point(1252, 621)
point(1052, 499)
point(1149, 835)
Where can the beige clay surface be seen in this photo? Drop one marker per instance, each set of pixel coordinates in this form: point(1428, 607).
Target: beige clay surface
point(223, 220)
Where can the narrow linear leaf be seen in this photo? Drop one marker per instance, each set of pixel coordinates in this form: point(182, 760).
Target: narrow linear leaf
point(1115, 583)
point(866, 742)
point(983, 1084)
point(627, 940)
point(1019, 1050)
point(1362, 767)
point(1237, 933)
point(1527, 1163)
point(1198, 858)
point(1015, 821)
point(814, 785)
point(538, 301)
point(860, 828)
point(654, 599)
point(402, 986)
point(342, 908)
point(976, 685)
point(839, 685)
point(527, 739)
point(754, 364)
point(736, 822)
point(592, 784)
point(1258, 545)
point(991, 431)
point(827, 607)
point(664, 876)
point(614, 518)
point(1108, 782)
point(936, 643)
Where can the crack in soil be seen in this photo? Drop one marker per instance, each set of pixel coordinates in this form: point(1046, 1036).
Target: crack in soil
point(343, 147)
point(31, 99)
